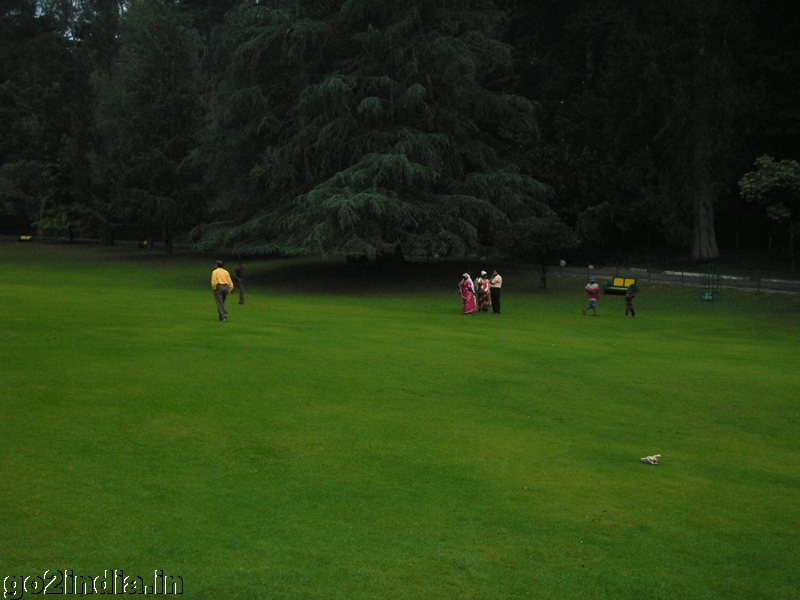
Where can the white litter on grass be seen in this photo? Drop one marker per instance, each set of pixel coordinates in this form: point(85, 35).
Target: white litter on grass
point(651, 460)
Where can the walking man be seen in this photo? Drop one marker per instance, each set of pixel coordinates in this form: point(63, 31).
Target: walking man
point(495, 283)
point(593, 291)
point(237, 277)
point(222, 285)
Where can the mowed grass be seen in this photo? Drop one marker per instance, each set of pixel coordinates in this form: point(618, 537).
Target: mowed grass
point(348, 434)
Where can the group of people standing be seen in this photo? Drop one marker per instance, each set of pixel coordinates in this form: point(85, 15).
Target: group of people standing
point(486, 289)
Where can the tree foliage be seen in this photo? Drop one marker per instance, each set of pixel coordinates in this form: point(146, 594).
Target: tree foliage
point(659, 93)
point(377, 123)
point(540, 241)
point(35, 83)
point(359, 126)
point(146, 116)
point(776, 185)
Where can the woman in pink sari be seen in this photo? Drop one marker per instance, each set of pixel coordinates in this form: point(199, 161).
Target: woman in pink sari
point(467, 294)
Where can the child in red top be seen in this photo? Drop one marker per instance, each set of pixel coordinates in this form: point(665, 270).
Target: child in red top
point(593, 291)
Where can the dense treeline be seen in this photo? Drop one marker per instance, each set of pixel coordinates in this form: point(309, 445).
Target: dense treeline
point(369, 126)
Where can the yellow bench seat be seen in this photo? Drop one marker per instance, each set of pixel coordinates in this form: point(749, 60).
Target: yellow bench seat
point(620, 285)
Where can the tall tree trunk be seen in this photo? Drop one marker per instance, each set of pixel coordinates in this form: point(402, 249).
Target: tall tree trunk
point(107, 237)
point(704, 238)
point(543, 276)
point(167, 238)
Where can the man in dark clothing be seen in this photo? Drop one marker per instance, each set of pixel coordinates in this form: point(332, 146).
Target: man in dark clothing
point(237, 277)
point(495, 284)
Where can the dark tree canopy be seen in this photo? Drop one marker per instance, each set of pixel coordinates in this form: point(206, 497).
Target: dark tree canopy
point(539, 241)
point(35, 84)
point(422, 126)
point(146, 115)
point(658, 93)
point(377, 123)
point(775, 185)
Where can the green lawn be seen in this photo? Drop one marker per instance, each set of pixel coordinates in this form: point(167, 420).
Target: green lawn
point(348, 434)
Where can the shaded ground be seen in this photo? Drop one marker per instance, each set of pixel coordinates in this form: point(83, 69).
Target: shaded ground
point(418, 273)
point(416, 276)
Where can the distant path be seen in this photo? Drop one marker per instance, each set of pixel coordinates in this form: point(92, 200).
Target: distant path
point(688, 278)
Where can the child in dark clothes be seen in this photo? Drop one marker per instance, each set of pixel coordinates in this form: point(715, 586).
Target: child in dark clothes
point(629, 304)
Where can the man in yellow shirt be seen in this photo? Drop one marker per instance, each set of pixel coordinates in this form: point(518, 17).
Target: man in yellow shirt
point(222, 285)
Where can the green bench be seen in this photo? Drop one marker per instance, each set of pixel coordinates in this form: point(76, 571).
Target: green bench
point(620, 285)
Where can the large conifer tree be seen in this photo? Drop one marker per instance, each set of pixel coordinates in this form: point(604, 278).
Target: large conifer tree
point(352, 127)
point(35, 86)
point(147, 110)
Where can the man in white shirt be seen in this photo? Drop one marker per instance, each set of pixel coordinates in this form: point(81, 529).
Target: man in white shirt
point(495, 283)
